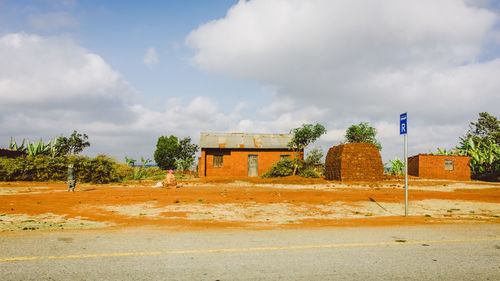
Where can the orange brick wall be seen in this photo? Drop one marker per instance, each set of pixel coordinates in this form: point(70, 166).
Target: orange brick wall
point(432, 167)
point(354, 162)
point(413, 165)
point(235, 162)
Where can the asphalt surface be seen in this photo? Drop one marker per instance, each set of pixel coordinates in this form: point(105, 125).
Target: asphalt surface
point(447, 252)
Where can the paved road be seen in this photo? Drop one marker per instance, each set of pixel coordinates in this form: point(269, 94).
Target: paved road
point(450, 252)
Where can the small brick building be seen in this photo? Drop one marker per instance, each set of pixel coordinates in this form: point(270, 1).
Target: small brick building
point(354, 162)
point(238, 154)
point(439, 167)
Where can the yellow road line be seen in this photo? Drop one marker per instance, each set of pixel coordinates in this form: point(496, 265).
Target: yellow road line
point(205, 251)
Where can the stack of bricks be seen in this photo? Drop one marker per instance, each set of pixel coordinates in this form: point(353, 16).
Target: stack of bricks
point(354, 162)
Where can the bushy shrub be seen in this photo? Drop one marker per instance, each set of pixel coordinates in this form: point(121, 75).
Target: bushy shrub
point(123, 172)
point(140, 173)
point(156, 173)
point(282, 168)
point(10, 169)
point(100, 169)
point(44, 168)
point(308, 174)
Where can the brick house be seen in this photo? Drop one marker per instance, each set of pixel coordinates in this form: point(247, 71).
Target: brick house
point(240, 155)
point(439, 167)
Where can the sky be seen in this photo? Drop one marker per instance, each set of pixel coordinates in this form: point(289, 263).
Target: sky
point(128, 72)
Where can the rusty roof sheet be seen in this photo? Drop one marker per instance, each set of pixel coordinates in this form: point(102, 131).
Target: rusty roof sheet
point(241, 140)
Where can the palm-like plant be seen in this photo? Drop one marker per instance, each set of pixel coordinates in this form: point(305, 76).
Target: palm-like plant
point(484, 155)
point(13, 145)
point(397, 167)
point(38, 148)
point(130, 161)
point(145, 161)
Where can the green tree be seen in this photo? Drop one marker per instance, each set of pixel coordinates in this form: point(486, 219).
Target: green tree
point(484, 156)
point(72, 145)
point(486, 127)
point(315, 155)
point(187, 151)
point(302, 137)
point(362, 133)
point(482, 144)
point(167, 151)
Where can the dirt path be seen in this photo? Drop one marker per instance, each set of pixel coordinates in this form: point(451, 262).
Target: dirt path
point(245, 203)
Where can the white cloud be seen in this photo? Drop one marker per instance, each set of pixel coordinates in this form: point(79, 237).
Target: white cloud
point(50, 73)
point(151, 57)
point(333, 62)
point(51, 86)
point(53, 21)
point(362, 61)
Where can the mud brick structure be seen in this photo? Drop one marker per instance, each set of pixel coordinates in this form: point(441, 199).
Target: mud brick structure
point(439, 167)
point(354, 162)
point(240, 155)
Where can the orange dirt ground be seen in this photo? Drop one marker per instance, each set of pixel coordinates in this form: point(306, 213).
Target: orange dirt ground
point(251, 203)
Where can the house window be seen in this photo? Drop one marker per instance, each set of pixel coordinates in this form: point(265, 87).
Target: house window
point(448, 164)
point(217, 160)
point(283, 157)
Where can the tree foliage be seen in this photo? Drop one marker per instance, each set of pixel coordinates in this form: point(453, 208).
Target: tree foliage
point(167, 151)
point(282, 168)
point(486, 127)
point(100, 169)
point(482, 145)
point(61, 146)
point(302, 137)
point(145, 161)
point(286, 167)
point(305, 135)
point(315, 155)
point(71, 145)
point(171, 153)
point(130, 161)
point(484, 155)
point(362, 133)
point(397, 167)
point(187, 151)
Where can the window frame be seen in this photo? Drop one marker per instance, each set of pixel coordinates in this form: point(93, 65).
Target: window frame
point(218, 161)
point(449, 163)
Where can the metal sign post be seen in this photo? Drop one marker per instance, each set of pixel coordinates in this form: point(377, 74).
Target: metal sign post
point(403, 130)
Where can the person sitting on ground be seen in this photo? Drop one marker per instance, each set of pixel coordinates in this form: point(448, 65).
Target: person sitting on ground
point(170, 180)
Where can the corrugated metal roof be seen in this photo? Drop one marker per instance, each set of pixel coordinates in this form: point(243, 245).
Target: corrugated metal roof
point(240, 140)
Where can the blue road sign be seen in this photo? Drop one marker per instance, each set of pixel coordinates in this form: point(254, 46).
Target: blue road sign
point(403, 126)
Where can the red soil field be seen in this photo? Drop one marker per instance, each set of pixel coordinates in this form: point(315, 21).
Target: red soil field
point(251, 203)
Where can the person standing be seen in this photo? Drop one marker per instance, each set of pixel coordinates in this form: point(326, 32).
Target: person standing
point(71, 178)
